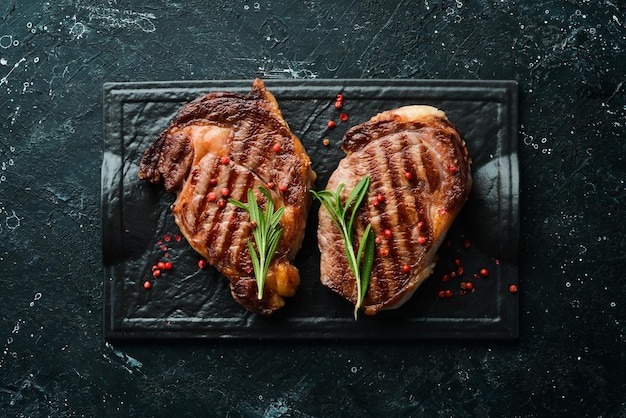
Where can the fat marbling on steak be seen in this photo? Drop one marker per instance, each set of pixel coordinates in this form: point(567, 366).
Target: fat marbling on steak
point(218, 147)
point(420, 177)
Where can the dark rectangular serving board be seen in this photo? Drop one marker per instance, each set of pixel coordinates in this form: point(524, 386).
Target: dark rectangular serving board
point(187, 302)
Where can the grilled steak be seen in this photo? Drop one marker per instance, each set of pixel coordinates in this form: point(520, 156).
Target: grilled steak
point(218, 147)
point(420, 179)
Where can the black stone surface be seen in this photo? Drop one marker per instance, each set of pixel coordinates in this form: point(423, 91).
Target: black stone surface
point(569, 60)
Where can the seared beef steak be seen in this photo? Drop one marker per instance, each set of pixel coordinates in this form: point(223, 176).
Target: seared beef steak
point(218, 147)
point(420, 179)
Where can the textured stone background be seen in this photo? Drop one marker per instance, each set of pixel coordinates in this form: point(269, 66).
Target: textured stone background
point(570, 60)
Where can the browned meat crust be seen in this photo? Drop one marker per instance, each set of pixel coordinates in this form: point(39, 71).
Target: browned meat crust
point(219, 146)
point(420, 179)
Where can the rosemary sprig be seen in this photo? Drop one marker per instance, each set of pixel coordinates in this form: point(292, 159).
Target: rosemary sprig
point(266, 234)
point(360, 262)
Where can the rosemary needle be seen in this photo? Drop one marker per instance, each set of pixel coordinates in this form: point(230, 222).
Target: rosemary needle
point(266, 234)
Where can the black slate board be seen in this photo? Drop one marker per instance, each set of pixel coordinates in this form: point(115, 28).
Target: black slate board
point(187, 302)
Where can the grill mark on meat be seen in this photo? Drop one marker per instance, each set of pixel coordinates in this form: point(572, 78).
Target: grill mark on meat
point(221, 241)
point(235, 216)
point(391, 216)
point(408, 196)
point(251, 154)
point(398, 170)
point(211, 209)
point(423, 188)
point(422, 216)
point(407, 204)
point(431, 169)
point(204, 208)
point(381, 176)
point(235, 249)
point(401, 236)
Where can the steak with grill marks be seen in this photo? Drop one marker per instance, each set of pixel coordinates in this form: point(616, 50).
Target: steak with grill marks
point(218, 147)
point(420, 177)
